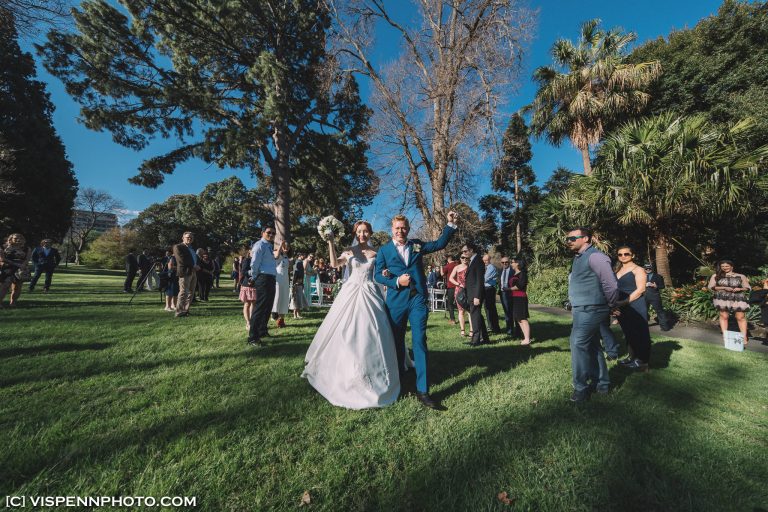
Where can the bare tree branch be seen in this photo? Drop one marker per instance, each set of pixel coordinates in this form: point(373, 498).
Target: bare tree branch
point(437, 104)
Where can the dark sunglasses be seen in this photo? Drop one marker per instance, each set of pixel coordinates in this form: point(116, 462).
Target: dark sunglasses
point(269, 233)
point(505, 263)
point(573, 238)
point(625, 254)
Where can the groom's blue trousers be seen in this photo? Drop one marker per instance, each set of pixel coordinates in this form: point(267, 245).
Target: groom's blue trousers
point(416, 313)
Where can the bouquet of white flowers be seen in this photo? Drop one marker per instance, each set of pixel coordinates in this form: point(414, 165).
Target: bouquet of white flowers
point(330, 226)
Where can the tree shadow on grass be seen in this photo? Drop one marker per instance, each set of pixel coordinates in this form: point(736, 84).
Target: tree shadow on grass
point(607, 454)
point(494, 359)
point(51, 348)
point(661, 354)
point(103, 368)
point(252, 411)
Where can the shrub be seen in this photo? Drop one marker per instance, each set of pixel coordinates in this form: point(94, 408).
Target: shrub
point(110, 249)
point(548, 285)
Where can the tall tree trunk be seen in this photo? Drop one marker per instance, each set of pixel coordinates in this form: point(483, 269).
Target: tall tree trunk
point(587, 163)
point(661, 245)
point(518, 230)
point(281, 181)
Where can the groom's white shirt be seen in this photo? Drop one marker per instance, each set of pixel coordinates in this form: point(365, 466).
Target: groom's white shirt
point(403, 250)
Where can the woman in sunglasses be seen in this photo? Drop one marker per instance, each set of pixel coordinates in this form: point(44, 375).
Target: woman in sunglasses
point(633, 312)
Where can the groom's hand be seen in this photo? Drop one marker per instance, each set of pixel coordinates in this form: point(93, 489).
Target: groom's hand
point(453, 217)
point(404, 280)
point(476, 302)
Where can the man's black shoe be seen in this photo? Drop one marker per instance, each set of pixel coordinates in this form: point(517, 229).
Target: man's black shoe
point(427, 401)
point(256, 343)
point(477, 343)
point(579, 397)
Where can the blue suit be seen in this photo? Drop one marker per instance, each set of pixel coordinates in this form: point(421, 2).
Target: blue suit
point(409, 304)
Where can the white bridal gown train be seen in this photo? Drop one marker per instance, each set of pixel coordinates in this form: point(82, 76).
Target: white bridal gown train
point(352, 360)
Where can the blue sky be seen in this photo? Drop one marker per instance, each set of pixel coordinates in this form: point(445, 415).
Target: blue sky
point(102, 164)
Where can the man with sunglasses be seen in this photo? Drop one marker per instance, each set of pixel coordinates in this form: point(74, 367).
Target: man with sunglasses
point(264, 276)
point(593, 293)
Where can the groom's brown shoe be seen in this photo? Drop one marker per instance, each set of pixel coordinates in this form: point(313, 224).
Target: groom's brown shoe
point(427, 401)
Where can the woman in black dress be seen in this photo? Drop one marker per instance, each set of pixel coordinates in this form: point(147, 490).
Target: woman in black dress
point(518, 284)
point(633, 311)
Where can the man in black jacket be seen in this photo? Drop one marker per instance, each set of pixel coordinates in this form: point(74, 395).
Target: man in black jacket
point(46, 259)
point(475, 293)
point(653, 297)
point(131, 267)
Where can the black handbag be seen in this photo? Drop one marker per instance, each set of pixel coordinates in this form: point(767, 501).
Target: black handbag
point(462, 299)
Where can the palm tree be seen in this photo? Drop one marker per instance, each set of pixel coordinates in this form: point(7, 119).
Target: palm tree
point(665, 173)
point(594, 90)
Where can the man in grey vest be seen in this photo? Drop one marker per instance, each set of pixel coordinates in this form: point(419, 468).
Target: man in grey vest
point(593, 292)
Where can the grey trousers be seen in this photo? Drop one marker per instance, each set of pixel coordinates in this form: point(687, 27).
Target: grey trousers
point(587, 362)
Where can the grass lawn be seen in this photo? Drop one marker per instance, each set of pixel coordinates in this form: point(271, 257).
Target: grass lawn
point(99, 398)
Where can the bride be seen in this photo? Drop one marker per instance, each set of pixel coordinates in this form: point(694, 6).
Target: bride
point(352, 360)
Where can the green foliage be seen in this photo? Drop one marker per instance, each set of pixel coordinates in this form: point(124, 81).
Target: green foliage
point(548, 285)
point(109, 249)
point(690, 302)
point(513, 175)
point(589, 88)
point(37, 183)
point(239, 84)
point(718, 68)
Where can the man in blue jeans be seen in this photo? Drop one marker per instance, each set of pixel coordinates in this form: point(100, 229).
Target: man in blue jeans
point(593, 292)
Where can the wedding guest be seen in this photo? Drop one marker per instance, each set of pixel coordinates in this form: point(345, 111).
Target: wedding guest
point(458, 278)
point(759, 296)
point(654, 284)
point(145, 267)
point(298, 299)
point(247, 291)
point(518, 284)
point(476, 294)
point(263, 271)
point(282, 287)
point(172, 290)
point(187, 265)
point(432, 276)
point(450, 288)
point(505, 294)
point(205, 274)
point(730, 296)
point(14, 261)
point(309, 277)
point(46, 259)
point(593, 292)
point(490, 280)
point(216, 260)
point(236, 273)
point(153, 279)
point(633, 313)
point(131, 268)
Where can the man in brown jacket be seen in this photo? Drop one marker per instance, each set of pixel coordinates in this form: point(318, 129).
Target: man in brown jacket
point(186, 268)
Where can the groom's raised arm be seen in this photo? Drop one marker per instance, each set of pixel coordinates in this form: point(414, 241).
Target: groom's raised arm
point(381, 264)
point(441, 242)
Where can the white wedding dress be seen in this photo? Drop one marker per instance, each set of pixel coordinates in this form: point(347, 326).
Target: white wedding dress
point(352, 360)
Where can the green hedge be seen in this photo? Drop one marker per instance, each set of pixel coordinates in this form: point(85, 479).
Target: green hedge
point(548, 285)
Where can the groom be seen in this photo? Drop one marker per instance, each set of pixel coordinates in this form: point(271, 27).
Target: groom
point(407, 293)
